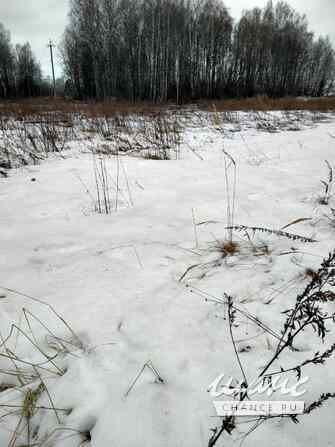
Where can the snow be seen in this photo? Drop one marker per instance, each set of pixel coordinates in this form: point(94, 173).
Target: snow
point(116, 280)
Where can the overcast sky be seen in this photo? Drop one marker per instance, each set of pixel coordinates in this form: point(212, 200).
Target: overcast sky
point(37, 21)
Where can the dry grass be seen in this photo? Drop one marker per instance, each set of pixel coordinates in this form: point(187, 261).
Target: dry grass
point(311, 274)
point(228, 248)
point(29, 107)
point(328, 185)
point(264, 103)
point(27, 397)
point(91, 109)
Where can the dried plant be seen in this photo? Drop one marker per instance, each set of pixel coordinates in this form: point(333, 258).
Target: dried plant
point(109, 193)
point(230, 185)
point(102, 185)
point(28, 393)
point(160, 137)
point(328, 185)
point(280, 233)
point(266, 122)
point(331, 216)
point(309, 310)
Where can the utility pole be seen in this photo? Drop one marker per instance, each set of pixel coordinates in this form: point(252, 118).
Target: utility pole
point(51, 45)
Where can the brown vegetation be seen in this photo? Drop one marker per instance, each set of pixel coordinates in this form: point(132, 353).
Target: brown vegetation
point(29, 107)
point(264, 103)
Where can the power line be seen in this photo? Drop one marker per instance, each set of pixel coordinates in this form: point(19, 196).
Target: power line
point(51, 45)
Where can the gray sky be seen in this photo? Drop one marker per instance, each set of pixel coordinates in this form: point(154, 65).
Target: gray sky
point(39, 20)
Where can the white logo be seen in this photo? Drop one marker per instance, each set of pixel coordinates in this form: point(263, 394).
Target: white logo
point(258, 408)
point(258, 386)
point(232, 388)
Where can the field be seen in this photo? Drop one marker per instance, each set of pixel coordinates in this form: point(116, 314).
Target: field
point(144, 253)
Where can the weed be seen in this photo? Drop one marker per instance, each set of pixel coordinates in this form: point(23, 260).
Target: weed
point(280, 233)
point(160, 138)
point(308, 311)
point(28, 395)
point(228, 248)
point(148, 365)
point(331, 216)
point(108, 190)
point(328, 186)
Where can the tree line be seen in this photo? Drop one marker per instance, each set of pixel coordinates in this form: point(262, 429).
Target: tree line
point(20, 73)
point(161, 50)
point(179, 50)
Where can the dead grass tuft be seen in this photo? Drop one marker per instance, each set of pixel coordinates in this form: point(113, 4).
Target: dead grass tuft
point(311, 274)
point(228, 248)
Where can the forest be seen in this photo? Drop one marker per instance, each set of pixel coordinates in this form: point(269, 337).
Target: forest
point(20, 73)
point(161, 50)
point(178, 50)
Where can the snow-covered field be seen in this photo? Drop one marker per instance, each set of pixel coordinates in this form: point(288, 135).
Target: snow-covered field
point(133, 284)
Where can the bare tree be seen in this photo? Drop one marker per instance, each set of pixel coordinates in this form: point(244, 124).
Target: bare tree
point(188, 49)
